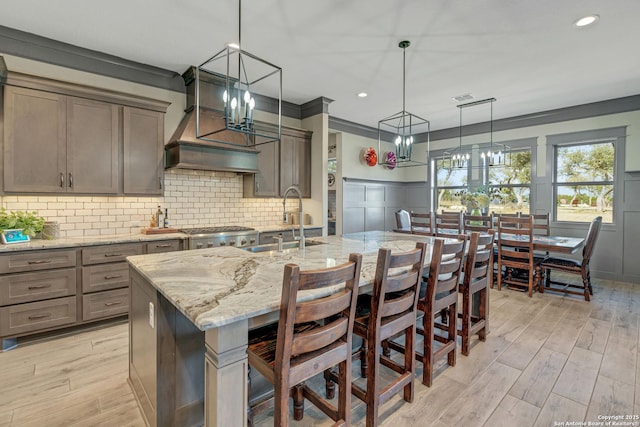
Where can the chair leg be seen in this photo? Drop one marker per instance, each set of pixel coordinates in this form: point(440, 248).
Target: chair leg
point(499, 276)
point(298, 402)
point(453, 334)
point(371, 397)
point(547, 278)
point(427, 351)
point(466, 321)
point(281, 405)
point(363, 358)
point(409, 361)
point(483, 313)
point(586, 284)
point(330, 387)
point(344, 395)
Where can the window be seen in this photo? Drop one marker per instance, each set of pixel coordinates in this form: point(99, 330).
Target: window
point(510, 186)
point(449, 183)
point(583, 184)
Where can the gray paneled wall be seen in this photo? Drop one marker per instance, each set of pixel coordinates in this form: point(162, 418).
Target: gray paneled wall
point(371, 205)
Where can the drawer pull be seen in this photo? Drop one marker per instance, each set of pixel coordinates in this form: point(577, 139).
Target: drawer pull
point(111, 255)
point(40, 261)
point(33, 287)
point(39, 316)
point(116, 276)
point(109, 304)
point(167, 245)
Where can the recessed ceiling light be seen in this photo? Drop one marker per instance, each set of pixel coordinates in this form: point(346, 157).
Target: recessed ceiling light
point(586, 20)
point(362, 94)
point(464, 97)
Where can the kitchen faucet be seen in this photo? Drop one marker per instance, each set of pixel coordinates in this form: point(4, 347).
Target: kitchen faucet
point(284, 210)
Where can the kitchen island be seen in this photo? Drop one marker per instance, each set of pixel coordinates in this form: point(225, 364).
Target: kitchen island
point(191, 313)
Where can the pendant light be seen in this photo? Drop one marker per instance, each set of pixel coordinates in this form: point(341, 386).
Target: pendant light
point(403, 129)
point(243, 80)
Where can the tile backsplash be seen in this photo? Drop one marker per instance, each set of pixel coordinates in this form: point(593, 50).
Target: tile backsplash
point(194, 199)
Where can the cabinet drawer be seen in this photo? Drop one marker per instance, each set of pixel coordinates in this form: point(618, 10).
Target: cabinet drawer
point(104, 277)
point(163, 246)
point(313, 232)
point(34, 316)
point(28, 287)
point(105, 304)
point(36, 260)
point(109, 253)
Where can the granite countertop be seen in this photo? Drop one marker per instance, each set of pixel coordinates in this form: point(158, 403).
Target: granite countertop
point(71, 242)
point(267, 228)
point(219, 286)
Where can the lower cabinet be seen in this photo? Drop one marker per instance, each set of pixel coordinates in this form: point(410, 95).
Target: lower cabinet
point(45, 290)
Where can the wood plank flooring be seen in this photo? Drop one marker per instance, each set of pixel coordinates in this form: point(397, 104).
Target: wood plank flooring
point(548, 359)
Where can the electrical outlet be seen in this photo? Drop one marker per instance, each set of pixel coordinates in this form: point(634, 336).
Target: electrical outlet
point(152, 316)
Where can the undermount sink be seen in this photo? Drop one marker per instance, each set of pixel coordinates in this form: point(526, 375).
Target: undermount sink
point(285, 246)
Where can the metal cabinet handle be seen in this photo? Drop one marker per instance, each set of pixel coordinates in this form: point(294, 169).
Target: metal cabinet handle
point(61, 180)
point(160, 182)
point(111, 255)
point(117, 276)
point(40, 261)
point(167, 245)
point(70, 180)
point(34, 287)
point(109, 304)
point(39, 316)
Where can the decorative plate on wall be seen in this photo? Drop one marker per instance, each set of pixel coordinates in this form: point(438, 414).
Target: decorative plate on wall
point(370, 156)
point(390, 160)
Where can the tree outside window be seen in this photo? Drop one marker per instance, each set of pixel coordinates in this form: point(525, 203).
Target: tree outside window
point(584, 177)
point(450, 181)
point(510, 185)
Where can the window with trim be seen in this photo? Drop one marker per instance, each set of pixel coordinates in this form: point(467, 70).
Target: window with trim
point(510, 185)
point(584, 181)
point(449, 183)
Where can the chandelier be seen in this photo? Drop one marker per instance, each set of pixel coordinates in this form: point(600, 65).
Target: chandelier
point(492, 154)
point(243, 80)
point(403, 129)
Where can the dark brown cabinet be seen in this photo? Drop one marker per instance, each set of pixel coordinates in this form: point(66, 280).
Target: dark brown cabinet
point(58, 144)
point(281, 165)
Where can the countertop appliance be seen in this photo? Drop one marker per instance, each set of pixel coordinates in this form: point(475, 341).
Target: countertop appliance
point(211, 237)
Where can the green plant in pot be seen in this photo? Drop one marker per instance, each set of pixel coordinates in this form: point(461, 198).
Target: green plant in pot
point(29, 222)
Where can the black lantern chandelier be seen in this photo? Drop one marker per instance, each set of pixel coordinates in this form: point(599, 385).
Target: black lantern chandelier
point(492, 154)
point(403, 129)
point(242, 75)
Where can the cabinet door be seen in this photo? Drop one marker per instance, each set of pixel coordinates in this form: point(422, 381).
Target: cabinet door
point(143, 151)
point(266, 181)
point(295, 164)
point(35, 141)
point(92, 146)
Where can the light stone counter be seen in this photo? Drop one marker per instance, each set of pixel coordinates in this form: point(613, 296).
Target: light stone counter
point(267, 228)
point(72, 242)
point(219, 286)
point(191, 313)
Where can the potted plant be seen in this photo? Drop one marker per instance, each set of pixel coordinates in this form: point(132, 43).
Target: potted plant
point(28, 222)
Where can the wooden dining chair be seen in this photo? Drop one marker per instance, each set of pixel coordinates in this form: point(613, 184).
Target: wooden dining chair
point(572, 266)
point(478, 271)
point(448, 225)
point(479, 223)
point(392, 311)
point(515, 254)
point(441, 294)
point(421, 223)
point(540, 223)
point(313, 336)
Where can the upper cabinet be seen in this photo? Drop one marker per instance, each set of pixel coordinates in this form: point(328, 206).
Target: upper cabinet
point(281, 165)
point(143, 151)
point(63, 138)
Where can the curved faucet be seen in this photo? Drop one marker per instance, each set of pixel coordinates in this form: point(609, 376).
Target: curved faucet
point(284, 210)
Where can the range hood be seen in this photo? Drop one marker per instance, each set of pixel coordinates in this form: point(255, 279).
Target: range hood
point(185, 151)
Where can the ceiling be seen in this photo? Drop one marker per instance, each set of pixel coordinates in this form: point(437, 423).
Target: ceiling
point(527, 54)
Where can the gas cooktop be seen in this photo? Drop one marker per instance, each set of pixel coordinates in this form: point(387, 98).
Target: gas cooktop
point(214, 230)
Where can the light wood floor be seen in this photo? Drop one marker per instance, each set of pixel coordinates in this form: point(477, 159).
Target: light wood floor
point(547, 359)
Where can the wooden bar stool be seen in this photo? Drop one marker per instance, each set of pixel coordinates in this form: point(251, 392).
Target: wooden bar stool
point(313, 336)
point(478, 269)
point(393, 312)
point(441, 295)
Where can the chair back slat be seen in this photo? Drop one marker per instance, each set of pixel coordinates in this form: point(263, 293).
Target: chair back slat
point(323, 320)
point(421, 223)
point(480, 223)
point(592, 236)
point(479, 263)
point(540, 223)
point(448, 224)
point(395, 292)
point(317, 309)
